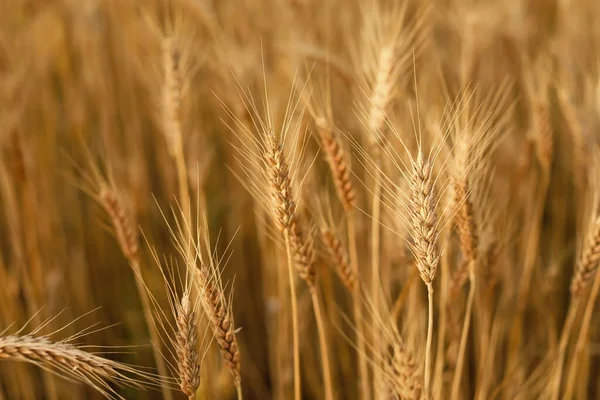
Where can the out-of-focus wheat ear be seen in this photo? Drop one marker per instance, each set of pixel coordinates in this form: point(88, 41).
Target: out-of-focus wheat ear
point(577, 134)
point(542, 126)
point(187, 347)
point(172, 94)
point(123, 224)
point(338, 255)
point(338, 164)
point(588, 262)
point(404, 377)
point(465, 222)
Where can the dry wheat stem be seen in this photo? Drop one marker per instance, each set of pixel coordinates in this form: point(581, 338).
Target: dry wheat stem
point(376, 276)
point(531, 253)
point(429, 340)
point(440, 359)
point(316, 302)
point(293, 301)
point(363, 372)
point(455, 391)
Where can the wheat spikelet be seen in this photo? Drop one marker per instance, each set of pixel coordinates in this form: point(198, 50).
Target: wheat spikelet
point(186, 347)
point(423, 219)
point(588, 262)
point(338, 255)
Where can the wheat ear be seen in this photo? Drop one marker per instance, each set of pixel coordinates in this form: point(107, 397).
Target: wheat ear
point(67, 360)
point(338, 165)
point(423, 218)
point(220, 317)
point(405, 379)
point(187, 347)
point(340, 259)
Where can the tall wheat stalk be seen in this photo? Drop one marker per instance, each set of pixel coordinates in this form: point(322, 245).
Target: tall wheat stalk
point(271, 177)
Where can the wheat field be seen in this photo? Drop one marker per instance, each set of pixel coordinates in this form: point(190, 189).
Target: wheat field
point(299, 199)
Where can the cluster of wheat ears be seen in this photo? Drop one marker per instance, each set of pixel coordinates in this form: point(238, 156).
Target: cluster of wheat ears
point(299, 199)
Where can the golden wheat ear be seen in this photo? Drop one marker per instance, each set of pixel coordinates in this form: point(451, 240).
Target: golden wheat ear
point(75, 362)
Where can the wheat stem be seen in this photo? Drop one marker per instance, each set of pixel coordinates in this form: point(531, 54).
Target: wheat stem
point(375, 276)
point(429, 340)
point(363, 372)
point(322, 342)
point(464, 335)
point(295, 337)
point(441, 340)
point(152, 331)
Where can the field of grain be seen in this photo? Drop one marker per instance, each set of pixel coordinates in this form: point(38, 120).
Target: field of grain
point(299, 199)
